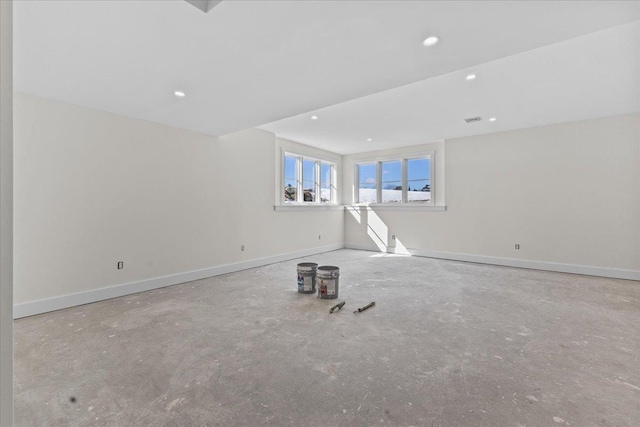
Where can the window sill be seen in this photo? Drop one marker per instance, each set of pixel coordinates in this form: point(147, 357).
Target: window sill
point(397, 207)
point(310, 207)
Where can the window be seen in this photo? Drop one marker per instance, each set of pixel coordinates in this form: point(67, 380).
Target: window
point(308, 180)
point(405, 180)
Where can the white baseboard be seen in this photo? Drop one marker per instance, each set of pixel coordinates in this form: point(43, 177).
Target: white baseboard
point(71, 300)
point(510, 262)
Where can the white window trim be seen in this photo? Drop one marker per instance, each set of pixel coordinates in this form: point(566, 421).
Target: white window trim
point(404, 205)
point(298, 207)
point(395, 207)
point(317, 204)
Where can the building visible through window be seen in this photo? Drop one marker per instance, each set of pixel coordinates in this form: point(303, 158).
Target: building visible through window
point(307, 180)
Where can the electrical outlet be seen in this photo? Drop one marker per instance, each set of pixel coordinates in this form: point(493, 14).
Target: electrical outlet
point(120, 265)
point(393, 237)
point(242, 248)
point(517, 245)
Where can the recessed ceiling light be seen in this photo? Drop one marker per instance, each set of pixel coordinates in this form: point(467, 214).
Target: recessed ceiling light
point(179, 93)
point(471, 77)
point(430, 41)
point(369, 139)
point(492, 119)
point(314, 117)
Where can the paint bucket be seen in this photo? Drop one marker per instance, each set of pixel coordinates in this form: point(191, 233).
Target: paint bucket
point(328, 282)
point(307, 277)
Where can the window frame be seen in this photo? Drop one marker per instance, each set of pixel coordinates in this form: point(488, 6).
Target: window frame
point(300, 158)
point(404, 160)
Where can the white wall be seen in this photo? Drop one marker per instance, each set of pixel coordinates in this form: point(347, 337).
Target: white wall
point(6, 213)
point(568, 194)
point(94, 188)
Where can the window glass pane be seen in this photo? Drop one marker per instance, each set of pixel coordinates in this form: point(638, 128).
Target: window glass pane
point(290, 184)
point(419, 180)
point(391, 182)
point(290, 167)
point(325, 182)
point(309, 180)
point(367, 177)
point(290, 190)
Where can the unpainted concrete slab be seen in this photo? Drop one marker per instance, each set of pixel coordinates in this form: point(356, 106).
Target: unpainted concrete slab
point(447, 344)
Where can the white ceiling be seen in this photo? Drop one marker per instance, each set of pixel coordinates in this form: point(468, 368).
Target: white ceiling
point(245, 64)
point(595, 75)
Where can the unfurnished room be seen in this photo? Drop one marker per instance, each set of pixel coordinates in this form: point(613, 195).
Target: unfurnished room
point(320, 213)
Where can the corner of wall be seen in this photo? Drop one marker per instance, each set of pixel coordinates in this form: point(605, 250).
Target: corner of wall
point(6, 213)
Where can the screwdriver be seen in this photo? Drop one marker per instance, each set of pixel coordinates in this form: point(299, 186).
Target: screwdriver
point(371, 304)
point(337, 306)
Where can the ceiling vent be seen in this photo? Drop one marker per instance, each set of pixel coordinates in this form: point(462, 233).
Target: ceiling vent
point(473, 119)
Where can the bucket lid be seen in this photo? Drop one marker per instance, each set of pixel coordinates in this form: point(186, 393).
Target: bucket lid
point(328, 271)
point(307, 266)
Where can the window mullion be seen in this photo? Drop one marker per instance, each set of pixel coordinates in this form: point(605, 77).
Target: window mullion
point(405, 186)
point(356, 191)
point(299, 191)
point(379, 182)
point(283, 181)
point(332, 177)
point(317, 181)
point(432, 187)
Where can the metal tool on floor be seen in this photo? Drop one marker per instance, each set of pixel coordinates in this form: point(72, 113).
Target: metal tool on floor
point(371, 304)
point(337, 306)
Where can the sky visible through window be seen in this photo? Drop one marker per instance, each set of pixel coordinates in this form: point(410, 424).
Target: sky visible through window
point(418, 181)
point(308, 173)
point(290, 167)
point(391, 182)
point(391, 175)
point(419, 175)
point(325, 175)
point(368, 175)
point(290, 171)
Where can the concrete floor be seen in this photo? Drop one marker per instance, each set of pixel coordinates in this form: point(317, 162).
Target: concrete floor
point(447, 344)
